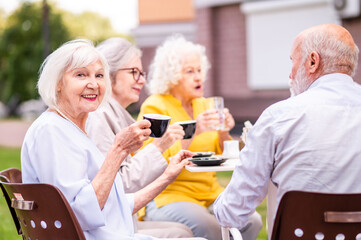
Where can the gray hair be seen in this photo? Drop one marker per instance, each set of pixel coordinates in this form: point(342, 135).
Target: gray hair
point(335, 54)
point(166, 67)
point(118, 52)
point(71, 55)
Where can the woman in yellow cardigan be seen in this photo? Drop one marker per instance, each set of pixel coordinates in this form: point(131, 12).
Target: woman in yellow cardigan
point(177, 74)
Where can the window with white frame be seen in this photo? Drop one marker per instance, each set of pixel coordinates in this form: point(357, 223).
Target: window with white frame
point(271, 28)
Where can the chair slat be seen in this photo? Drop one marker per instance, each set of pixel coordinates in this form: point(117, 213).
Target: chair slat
point(22, 204)
point(343, 217)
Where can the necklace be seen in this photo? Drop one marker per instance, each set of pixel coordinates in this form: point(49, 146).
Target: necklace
point(64, 116)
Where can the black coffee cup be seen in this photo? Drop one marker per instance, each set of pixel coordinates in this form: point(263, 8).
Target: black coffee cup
point(189, 127)
point(159, 124)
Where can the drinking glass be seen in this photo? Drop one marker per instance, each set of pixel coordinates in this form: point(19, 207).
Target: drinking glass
point(218, 104)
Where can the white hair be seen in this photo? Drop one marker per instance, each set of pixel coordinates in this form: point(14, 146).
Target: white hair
point(118, 52)
point(71, 55)
point(335, 54)
point(166, 67)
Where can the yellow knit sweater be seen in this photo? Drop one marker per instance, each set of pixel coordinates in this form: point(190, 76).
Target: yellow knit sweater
point(200, 188)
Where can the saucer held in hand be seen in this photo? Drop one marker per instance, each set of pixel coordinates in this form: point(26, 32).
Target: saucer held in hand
point(202, 154)
point(208, 161)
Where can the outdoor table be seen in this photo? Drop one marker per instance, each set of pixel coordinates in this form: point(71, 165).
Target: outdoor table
point(228, 165)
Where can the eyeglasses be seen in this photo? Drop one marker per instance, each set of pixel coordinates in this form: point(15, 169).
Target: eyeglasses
point(136, 73)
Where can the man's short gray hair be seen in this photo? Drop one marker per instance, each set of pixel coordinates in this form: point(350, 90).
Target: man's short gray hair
point(71, 55)
point(336, 55)
point(166, 68)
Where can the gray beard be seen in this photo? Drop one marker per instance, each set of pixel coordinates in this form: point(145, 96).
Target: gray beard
point(300, 83)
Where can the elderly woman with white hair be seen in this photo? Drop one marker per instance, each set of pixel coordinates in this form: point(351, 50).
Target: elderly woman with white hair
point(127, 80)
point(74, 81)
point(177, 75)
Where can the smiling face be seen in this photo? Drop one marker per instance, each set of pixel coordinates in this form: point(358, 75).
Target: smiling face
point(81, 90)
point(190, 86)
point(126, 89)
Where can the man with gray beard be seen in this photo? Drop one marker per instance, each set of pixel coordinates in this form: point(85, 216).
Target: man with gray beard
point(309, 142)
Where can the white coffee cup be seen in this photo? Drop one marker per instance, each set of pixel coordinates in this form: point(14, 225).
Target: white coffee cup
point(231, 149)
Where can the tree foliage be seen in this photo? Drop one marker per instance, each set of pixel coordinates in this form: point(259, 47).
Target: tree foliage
point(2, 20)
point(89, 25)
point(21, 50)
point(22, 46)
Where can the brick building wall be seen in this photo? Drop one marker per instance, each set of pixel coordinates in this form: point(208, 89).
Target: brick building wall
point(204, 31)
point(222, 31)
point(354, 27)
point(229, 51)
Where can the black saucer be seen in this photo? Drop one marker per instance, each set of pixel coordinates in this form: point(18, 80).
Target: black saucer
point(208, 161)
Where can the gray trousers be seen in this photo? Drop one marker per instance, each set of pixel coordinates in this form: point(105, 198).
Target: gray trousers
point(163, 229)
point(200, 220)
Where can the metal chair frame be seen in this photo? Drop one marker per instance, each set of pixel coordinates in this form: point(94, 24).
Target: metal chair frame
point(234, 232)
point(11, 175)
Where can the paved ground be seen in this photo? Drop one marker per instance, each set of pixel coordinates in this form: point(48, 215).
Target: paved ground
point(12, 132)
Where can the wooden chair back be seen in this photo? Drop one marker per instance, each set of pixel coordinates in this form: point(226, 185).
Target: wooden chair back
point(41, 210)
point(310, 215)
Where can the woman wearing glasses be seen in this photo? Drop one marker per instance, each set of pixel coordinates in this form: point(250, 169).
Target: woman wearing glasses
point(127, 78)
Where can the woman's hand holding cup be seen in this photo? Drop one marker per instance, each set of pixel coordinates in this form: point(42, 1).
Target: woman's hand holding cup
point(216, 103)
point(131, 138)
point(229, 122)
point(206, 120)
point(174, 133)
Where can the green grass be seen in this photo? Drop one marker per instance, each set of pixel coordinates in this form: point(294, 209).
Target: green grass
point(224, 178)
point(10, 157)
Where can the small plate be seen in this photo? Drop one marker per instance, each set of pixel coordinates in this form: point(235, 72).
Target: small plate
point(208, 161)
point(202, 154)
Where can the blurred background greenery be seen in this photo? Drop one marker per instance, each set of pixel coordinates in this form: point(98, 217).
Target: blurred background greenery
point(9, 157)
point(33, 31)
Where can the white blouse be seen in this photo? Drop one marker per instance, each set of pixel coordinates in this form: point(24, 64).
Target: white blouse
point(56, 152)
